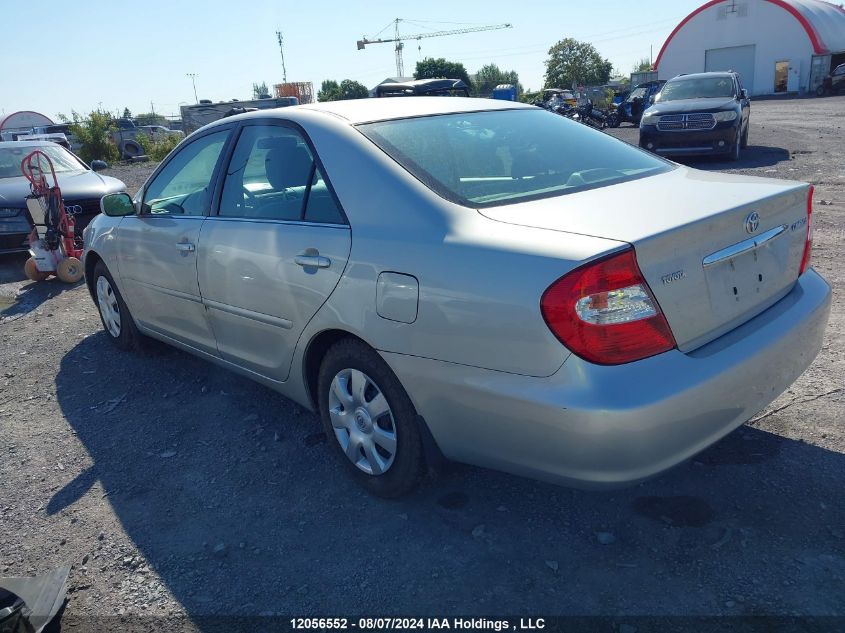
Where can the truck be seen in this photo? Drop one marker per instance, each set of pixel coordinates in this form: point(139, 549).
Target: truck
point(126, 137)
point(205, 112)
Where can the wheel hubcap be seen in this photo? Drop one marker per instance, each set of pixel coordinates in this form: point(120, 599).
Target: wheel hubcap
point(109, 309)
point(362, 421)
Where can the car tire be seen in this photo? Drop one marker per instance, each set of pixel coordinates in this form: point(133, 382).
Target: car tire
point(369, 419)
point(613, 120)
point(820, 91)
point(736, 148)
point(130, 150)
point(30, 269)
point(744, 142)
point(114, 313)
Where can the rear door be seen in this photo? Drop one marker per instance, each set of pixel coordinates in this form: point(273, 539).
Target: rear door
point(158, 247)
point(275, 249)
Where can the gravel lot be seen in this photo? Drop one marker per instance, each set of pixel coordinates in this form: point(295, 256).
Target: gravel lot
point(175, 487)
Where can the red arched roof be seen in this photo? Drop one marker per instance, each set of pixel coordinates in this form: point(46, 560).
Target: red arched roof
point(805, 11)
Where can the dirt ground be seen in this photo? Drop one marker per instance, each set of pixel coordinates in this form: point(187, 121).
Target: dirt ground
point(176, 488)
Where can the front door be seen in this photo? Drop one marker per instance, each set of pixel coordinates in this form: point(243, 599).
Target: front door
point(275, 250)
point(781, 76)
point(158, 247)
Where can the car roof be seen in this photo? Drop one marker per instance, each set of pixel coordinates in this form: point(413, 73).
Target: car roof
point(715, 73)
point(357, 111)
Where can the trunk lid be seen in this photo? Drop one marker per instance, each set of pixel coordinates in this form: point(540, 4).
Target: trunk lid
point(710, 262)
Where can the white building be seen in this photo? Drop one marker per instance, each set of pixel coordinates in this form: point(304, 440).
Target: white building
point(776, 46)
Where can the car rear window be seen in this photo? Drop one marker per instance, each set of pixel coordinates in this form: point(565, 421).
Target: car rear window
point(481, 159)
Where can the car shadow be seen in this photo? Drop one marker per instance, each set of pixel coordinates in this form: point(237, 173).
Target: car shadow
point(752, 156)
point(30, 296)
point(11, 267)
point(229, 492)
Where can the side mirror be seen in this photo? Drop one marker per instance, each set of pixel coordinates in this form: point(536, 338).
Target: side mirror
point(117, 205)
point(99, 165)
point(743, 93)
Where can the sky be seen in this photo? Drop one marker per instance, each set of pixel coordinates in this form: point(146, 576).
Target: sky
point(110, 55)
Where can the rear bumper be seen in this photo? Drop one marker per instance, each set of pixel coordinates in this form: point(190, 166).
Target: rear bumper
point(689, 142)
point(595, 426)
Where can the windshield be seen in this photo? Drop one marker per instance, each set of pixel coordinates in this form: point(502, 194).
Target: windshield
point(700, 88)
point(483, 159)
point(11, 157)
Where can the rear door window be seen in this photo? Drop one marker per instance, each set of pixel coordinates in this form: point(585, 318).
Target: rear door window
point(273, 176)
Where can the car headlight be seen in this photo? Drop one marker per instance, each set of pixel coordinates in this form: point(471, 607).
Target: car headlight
point(727, 115)
point(650, 119)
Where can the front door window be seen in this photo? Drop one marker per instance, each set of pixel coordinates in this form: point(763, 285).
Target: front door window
point(183, 186)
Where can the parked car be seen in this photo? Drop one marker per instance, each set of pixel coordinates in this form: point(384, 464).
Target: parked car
point(159, 132)
point(555, 97)
point(834, 83)
point(81, 188)
point(436, 277)
point(702, 113)
point(424, 87)
point(630, 105)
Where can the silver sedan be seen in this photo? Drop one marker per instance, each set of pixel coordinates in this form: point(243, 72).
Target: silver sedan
point(470, 279)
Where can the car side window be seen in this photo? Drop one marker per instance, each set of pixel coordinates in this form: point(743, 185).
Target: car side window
point(321, 206)
point(273, 176)
point(183, 186)
point(839, 71)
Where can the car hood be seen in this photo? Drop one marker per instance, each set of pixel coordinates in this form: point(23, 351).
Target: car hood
point(75, 185)
point(691, 105)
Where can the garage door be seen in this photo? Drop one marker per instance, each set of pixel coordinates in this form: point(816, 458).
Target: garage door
point(737, 58)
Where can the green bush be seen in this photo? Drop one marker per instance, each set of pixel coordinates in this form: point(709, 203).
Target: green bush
point(157, 149)
point(94, 135)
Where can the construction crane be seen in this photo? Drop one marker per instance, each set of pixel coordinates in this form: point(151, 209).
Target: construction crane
point(399, 39)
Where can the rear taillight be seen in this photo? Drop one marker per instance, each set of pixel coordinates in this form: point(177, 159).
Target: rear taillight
point(605, 313)
point(808, 244)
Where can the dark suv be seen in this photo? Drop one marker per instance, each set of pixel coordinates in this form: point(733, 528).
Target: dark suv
point(703, 113)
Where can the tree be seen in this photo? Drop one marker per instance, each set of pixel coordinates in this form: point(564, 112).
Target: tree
point(490, 76)
point(126, 113)
point(643, 65)
point(430, 68)
point(94, 135)
point(571, 61)
point(330, 90)
point(259, 90)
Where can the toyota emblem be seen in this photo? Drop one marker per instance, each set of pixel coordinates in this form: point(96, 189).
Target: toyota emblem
point(752, 222)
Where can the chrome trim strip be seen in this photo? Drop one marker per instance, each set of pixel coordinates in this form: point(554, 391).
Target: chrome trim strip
point(744, 246)
point(249, 314)
point(327, 225)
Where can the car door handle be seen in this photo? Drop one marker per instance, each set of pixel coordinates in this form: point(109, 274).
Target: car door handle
point(186, 247)
point(317, 261)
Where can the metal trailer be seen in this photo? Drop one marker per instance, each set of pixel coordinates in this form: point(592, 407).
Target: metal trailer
point(195, 116)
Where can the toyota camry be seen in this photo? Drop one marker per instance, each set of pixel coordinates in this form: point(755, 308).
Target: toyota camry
point(471, 279)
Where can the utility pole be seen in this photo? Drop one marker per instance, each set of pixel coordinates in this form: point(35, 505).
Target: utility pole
point(282, 51)
point(193, 77)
